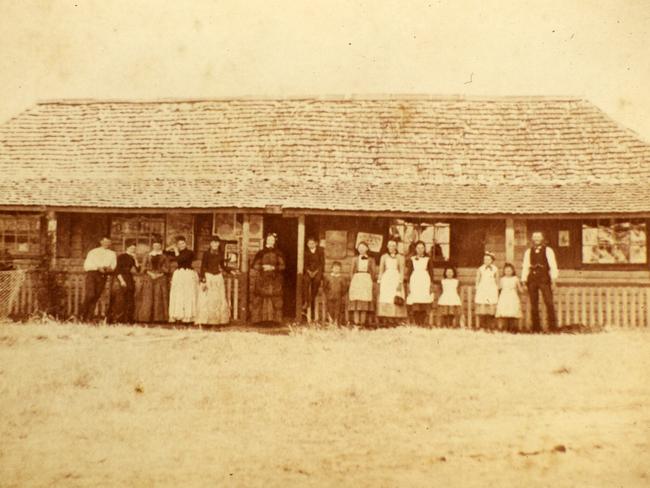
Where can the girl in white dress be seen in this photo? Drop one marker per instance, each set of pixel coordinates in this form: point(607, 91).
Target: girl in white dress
point(449, 301)
point(487, 292)
point(419, 276)
point(509, 304)
point(360, 294)
point(391, 285)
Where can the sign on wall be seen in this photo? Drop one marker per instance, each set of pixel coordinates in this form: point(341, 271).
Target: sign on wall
point(374, 241)
point(336, 244)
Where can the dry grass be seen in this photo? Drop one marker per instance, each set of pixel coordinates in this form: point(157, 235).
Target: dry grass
point(86, 406)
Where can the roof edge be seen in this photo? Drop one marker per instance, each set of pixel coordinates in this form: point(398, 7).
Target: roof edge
point(333, 97)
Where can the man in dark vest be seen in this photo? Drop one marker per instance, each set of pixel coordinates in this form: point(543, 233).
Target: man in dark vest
point(539, 274)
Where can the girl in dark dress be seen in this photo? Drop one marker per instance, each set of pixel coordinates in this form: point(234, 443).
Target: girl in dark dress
point(212, 304)
point(267, 293)
point(152, 300)
point(122, 305)
point(185, 282)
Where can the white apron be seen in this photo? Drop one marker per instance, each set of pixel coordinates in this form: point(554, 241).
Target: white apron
point(420, 282)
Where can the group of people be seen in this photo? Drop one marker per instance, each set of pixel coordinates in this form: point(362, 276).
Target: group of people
point(406, 288)
point(189, 297)
point(399, 288)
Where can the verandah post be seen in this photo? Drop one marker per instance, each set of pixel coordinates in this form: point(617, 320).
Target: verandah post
point(48, 296)
point(245, 232)
point(300, 264)
point(510, 240)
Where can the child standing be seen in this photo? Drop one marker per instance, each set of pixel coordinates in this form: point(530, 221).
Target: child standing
point(360, 296)
point(487, 292)
point(449, 301)
point(509, 305)
point(336, 286)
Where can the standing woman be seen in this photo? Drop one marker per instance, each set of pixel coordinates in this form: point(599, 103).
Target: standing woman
point(152, 302)
point(390, 304)
point(487, 292)
point(267, 293)
point(122, 306)
point(185, 281)
point(360, 296)
point(212, 305)
point(419, 275)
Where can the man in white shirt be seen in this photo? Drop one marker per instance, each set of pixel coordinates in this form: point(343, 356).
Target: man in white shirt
point(539, 274)
point(99, 264)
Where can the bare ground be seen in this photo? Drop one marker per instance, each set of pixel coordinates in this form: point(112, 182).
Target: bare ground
point(123, 406)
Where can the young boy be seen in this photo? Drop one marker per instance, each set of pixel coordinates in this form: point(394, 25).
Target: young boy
point(336, 288)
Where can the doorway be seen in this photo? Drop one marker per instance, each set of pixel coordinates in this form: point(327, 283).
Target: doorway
point(287, 230)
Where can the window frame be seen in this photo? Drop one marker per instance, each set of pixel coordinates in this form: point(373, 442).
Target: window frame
point(119, 242)
point(613, 266)
point(419, 222)
point(32, 232)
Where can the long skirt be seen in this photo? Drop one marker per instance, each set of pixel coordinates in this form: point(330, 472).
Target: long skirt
point(182, 295)
point(360, 293)
point(122, 306)
point(212, 304)
point(152, 300)
point(388, 289)
point(267, 302)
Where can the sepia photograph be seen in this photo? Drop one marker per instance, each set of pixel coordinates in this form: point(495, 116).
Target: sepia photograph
point(329, 243)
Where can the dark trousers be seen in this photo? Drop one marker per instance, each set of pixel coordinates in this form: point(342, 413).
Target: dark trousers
point(95, 283)
point(534, 287)
point(310, 287)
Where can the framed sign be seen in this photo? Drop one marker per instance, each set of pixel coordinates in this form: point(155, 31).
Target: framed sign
point(226, 226)
point(563, 238)
point(374, 241)
point(336, 244)
point(256, 228)
point(231, 255)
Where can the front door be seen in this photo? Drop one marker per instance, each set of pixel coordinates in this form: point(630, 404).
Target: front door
point(287, 230)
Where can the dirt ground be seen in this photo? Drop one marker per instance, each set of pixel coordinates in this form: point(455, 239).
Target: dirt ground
point(124, 406)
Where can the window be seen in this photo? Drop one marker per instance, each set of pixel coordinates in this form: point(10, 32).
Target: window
point(435, 235)
point(610, 241)
point(19, 234)
point(140, 229)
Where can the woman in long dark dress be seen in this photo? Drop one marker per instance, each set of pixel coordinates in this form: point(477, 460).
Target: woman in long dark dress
point(122, 304)
point(267, 293)
point(212, 304)
point(152, 300)
point(185, 282)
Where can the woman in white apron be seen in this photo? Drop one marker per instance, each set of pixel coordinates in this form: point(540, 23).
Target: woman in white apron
point(391, 305)
point(419, 275)
point(360, 296)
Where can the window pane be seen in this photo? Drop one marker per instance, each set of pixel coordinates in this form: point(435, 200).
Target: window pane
point(638, 254)
point(590, 254)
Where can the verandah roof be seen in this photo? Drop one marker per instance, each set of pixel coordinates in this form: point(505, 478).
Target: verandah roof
point(506, 155)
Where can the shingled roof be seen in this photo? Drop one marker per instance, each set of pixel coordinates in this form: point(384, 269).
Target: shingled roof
point(507, 155)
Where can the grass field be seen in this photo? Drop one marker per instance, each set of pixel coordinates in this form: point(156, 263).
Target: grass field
point(124, 406)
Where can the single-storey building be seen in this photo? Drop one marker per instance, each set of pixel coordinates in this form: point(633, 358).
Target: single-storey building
point(464, 174)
